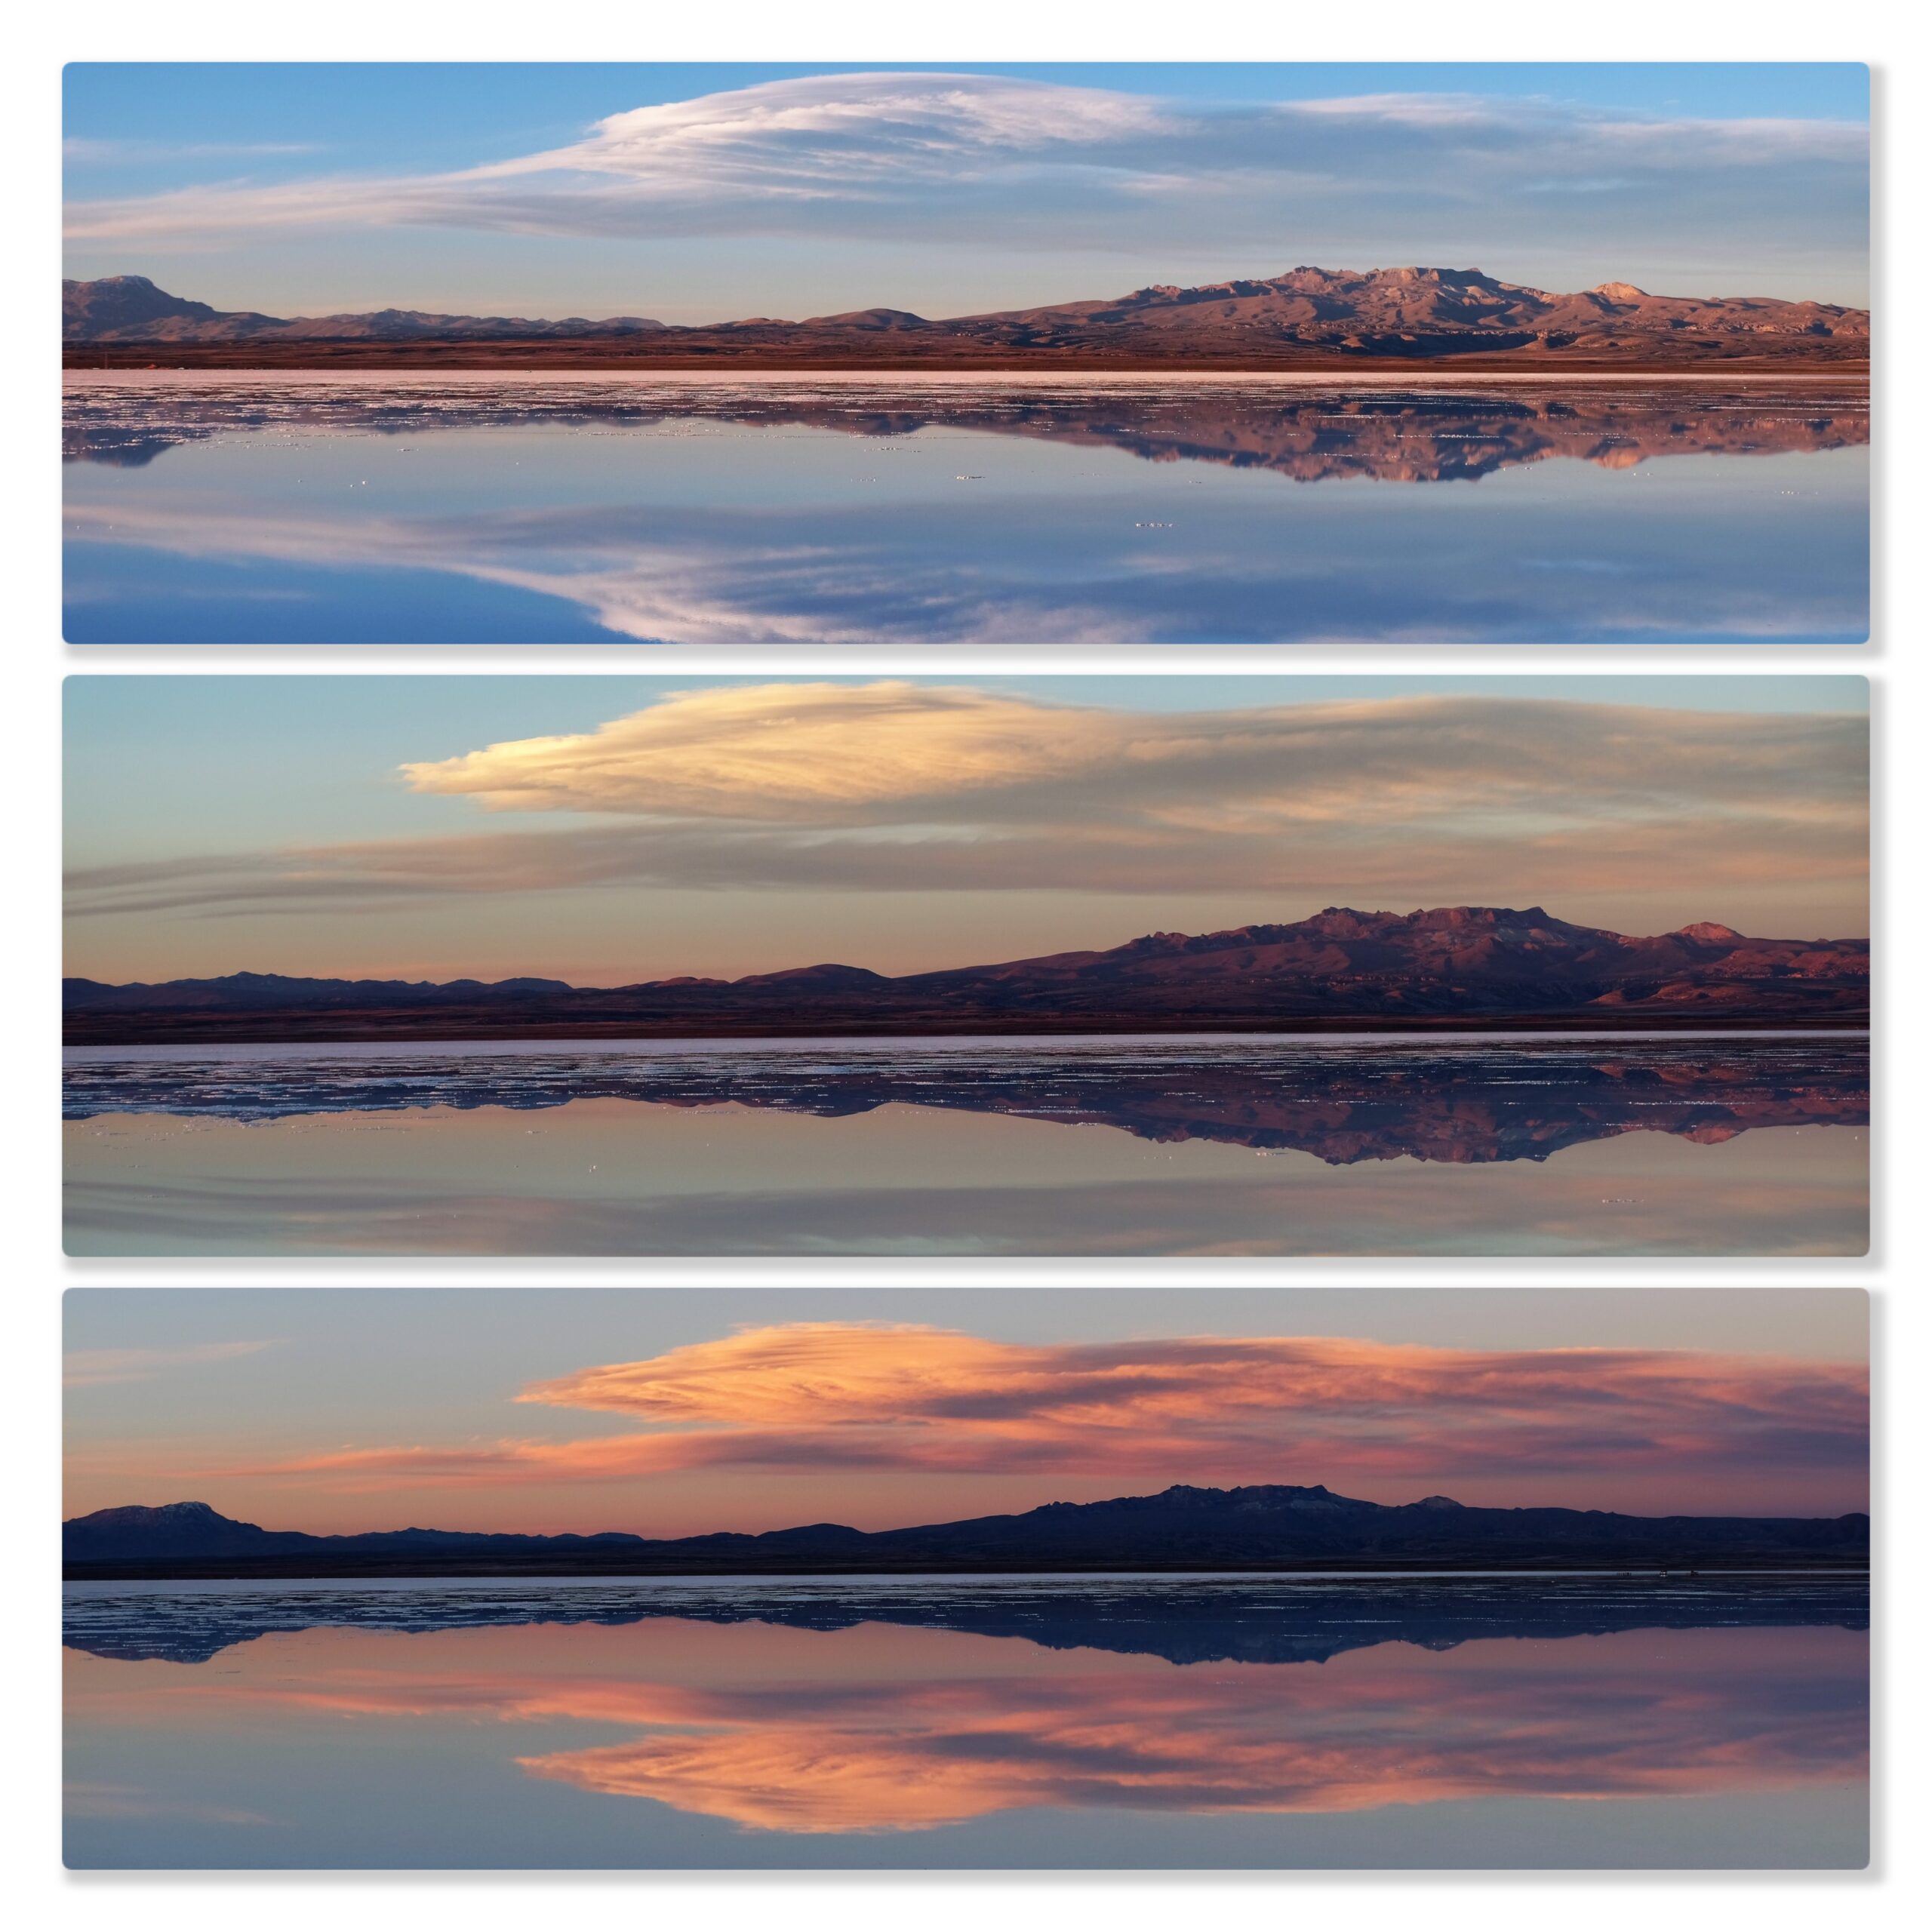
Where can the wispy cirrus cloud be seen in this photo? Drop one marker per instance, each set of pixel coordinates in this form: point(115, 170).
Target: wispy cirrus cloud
point(88, 1368)
point(1034, 164)
point(826, 142)
point(892, 785)
point(106, 152)
point(834, 1396)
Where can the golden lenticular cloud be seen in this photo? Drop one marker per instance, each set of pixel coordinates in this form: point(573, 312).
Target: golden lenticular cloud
point(768, 751)
point(892, 787)
point(839, 754)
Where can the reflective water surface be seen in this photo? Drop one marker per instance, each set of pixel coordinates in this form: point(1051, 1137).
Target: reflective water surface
point(486, 509)
point(1553, 1722)
point(1607, 1144)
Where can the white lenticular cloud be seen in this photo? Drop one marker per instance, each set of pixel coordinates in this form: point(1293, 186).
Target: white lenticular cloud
point(840, 127)
point(988, 160)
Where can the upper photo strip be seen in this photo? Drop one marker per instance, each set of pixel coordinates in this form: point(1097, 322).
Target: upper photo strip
point(1165, 354)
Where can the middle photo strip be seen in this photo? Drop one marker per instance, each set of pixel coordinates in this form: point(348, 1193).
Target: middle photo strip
point(1098, 965)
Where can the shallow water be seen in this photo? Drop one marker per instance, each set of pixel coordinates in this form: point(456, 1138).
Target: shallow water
point(1619, 1144)
point(542, 509)
point(1380, 1722)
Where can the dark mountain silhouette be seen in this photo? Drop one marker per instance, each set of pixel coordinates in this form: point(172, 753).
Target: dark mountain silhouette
point(1489, 966)
point(1469, 1103)
point(1308, 317)
point(1314, 435)
point(1261, 1527)
point(1303, 1619)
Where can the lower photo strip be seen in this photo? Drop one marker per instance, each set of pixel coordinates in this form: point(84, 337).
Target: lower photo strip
point(1194, 1579)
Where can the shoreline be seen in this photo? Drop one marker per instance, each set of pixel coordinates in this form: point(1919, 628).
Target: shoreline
point(297, 1569)
point(1343, 1029)
point(692, 373)
point(90, 1053)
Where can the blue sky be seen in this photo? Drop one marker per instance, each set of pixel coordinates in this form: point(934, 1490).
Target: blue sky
point(798, 189)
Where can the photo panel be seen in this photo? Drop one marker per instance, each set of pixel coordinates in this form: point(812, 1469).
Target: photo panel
point(1185, 1578)
point(1026, 355)
point(1092, 965)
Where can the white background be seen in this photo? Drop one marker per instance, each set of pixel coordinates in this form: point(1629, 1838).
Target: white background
point(33, 660)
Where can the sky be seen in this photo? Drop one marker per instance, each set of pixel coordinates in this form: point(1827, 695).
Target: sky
point(701, 193)
point(606, 830)
point(678, 1411)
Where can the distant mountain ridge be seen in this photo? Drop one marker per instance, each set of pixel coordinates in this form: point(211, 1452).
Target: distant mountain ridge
point(1399, 314)
point(1479, 964)
point(130, 308)
point(1263, 1526)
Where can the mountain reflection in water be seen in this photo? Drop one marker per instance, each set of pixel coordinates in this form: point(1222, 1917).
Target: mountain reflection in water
point(858, 1711)
point(903, 1147)
point(1310, 435)
point(813, 511)
point(1342, 1101)
point(1339, 1102)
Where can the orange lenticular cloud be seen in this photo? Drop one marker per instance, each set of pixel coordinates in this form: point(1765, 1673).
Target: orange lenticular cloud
point(885, 1397)
point(821, 1374)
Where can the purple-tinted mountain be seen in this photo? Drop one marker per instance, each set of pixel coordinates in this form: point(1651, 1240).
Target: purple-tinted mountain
point(130, 308)
point(1463, 965)
point(1306, 318)
point(1259, 1526)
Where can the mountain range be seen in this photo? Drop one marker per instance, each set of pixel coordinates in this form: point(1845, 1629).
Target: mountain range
point(1270, 1526)
point(1463, 964)
point(1306, 317)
